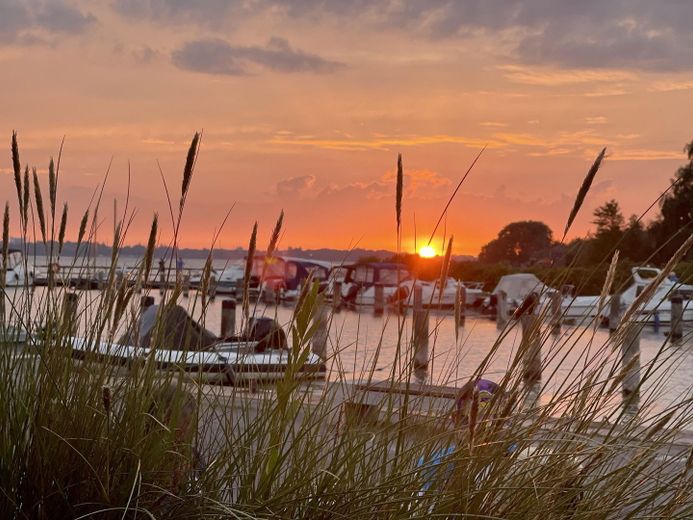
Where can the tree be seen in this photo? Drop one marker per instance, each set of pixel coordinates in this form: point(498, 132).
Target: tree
point(518, 243)
point(674, 224)
point(608, 218)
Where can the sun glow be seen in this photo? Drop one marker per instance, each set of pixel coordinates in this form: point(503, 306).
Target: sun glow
point(427, 252)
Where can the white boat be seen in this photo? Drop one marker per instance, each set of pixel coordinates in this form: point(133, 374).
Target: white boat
point(19, 273)
point(656, 310)
point(431, 294)
point(262, 355)
point(360, 280)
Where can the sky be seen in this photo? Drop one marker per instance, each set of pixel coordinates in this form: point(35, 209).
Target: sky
point(305, 104)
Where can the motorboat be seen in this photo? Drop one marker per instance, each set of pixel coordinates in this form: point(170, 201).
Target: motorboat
point(175, 342)
point(432, 295)
point(513, 289)
point(359, 281)
point(18, 273)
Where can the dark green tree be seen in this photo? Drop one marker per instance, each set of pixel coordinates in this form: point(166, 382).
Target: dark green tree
point(609, 221)
point(608, 218)
point(676, 220)
point(519, 243)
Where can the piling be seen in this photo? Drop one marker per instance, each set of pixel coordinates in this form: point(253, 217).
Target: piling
point(530, 347)
point(614, 312)
point(186, 285)
point(228, 318)
point(676, 317)
point(630, 360)
point(336, 296)
point(379, 303)
point(460, 305)
point(556, 312)
point(70, 304)
point(268, 295)
point(420, 332)
point(162, 278)
point(501, 309)
point(213, 287)
point(100, 279)
point(319, 340)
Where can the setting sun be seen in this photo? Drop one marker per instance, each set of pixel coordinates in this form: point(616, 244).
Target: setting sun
point(427, 252)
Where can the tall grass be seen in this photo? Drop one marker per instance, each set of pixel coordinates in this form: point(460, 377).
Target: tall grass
point(87, 439)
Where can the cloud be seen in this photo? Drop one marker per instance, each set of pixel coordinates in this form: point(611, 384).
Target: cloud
point(28, 23)
point(296, 186)
point(596, 120)
point(590, 34)
point(217, 56)
point(145, 55)
point(539, 76)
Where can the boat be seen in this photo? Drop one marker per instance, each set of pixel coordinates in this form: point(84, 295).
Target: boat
point(183, 345)
point(360, 280)
point(516, 288)
point(432, 296)
point(19, 273)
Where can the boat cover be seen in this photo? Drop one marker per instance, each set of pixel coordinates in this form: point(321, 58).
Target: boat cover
point(518, 286)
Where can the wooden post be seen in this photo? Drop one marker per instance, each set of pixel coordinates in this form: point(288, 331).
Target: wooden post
point(228, 318)
point(337, 296)
point(379, 303)
point(501, 309)
point(630, 360)
point(530, 347)
point(319, 340)
point(268, 295)
point(162, 278)
point(460, 305)
point(556, 312)
point(614, 312)
point(676, 317)
point(186, 285)
point(420, 332)
point(213, 287)
point(70, 304)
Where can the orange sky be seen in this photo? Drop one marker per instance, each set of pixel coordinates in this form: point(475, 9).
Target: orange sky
point(306, 104)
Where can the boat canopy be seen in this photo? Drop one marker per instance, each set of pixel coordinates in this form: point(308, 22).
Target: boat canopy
point(518, 286)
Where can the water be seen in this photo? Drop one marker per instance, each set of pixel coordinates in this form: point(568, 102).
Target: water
point(363, 343)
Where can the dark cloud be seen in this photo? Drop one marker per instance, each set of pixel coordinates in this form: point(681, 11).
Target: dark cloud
point(217, 56)
point(634, 34)
point(26, 22)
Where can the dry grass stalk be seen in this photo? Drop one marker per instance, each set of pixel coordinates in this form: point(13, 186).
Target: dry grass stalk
point(651, 288)
point(473, 415)
point(248, 270)
point(25, 198)
point(82, 227)
point(445, 269)
point(16, 167)
point(39, 205)
point(61, 231)
point(5, 242)
point(52, 186)
point(582, 193)
point(459, 185)
point(189, 166)
point(274, 239)
point(400, 188)
point(151, 244)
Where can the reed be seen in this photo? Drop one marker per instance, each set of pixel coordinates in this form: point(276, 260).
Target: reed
point(87, 439)
point(584, 188)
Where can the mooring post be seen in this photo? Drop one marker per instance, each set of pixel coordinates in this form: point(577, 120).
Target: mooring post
point(213, 287)
point(336, 296)
point(460, 305)
point(614, 312)
point(630, 359)
point(501, 309)
point(163, 279)
point(676, 317)
point(531, 347)
point(379, 303)
point(556, 312)
point(319, 340)
point(186, 285)
point(228, 318)
point(70, 304)
point(420, 332)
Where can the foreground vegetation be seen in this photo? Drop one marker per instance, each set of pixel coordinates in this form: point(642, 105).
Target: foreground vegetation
point(92, 440)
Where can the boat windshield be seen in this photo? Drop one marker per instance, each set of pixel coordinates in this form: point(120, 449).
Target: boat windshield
point(273, 267)
point(392, 276)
